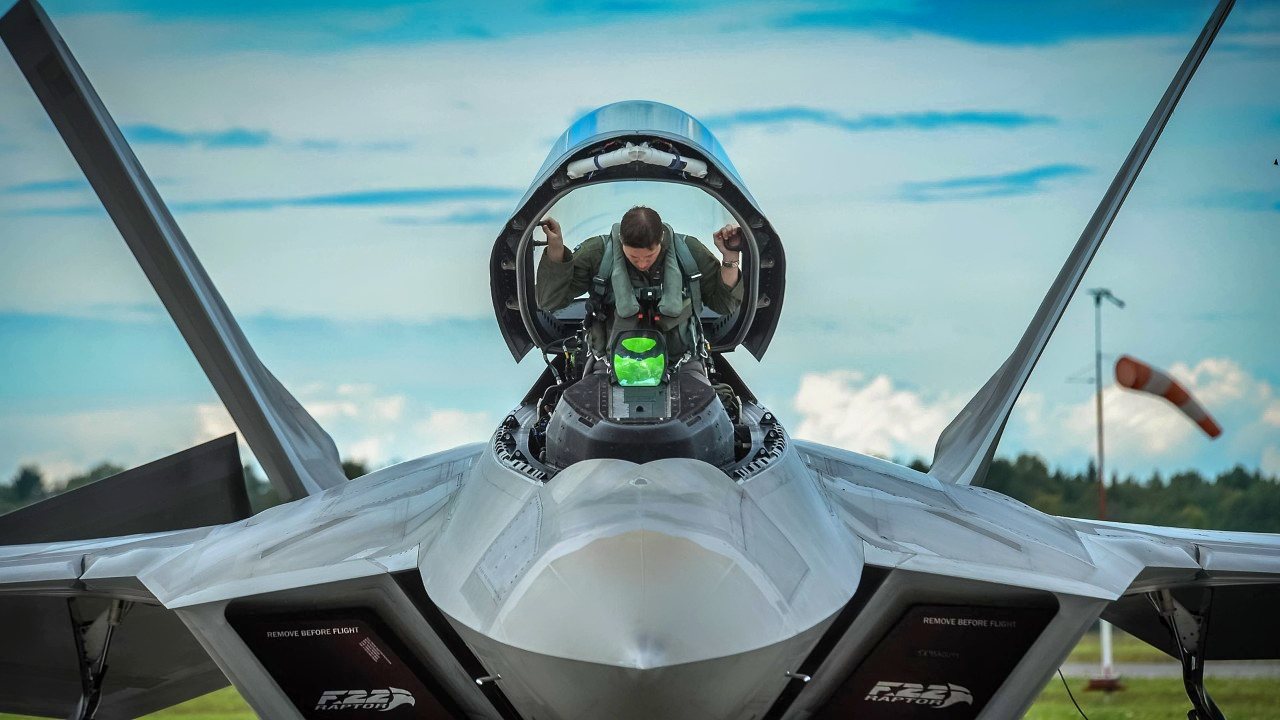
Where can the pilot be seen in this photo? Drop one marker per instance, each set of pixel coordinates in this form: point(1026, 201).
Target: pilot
point(647, 256)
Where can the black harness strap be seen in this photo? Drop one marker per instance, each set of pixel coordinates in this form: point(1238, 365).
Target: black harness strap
point(692, 275)
point(599, 294)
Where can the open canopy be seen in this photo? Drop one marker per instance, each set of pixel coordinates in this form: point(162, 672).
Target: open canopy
point(593, 151)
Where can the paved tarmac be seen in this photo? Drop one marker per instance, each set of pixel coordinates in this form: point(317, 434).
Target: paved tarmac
point(1232, 668)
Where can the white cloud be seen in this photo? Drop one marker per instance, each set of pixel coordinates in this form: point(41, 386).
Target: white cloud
point(1271, 415)
point(69, 443)
point(448, 428)
point(1134, 423)
point(388, 408)
point(368, 451)
point(373, 428)
point(330, 410)
point(213, 421)
point(845, 408)
point(354, 402)
point(856, 411)
point(1144, 431)
point(377, 428)
point(1217, 381)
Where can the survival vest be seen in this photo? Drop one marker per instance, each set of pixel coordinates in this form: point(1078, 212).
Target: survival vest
point(611, 290)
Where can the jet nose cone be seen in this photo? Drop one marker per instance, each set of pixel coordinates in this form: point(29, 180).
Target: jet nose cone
point(644, 599)
point(650, 624)
point(661, 564)
point(663, 590)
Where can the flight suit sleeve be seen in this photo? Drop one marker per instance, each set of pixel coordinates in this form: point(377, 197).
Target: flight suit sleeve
point(558, 283)
point(715, 294)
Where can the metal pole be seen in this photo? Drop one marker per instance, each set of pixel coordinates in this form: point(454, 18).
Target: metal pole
point(1104, 627)
point(1107, 681)
point(1097, 383)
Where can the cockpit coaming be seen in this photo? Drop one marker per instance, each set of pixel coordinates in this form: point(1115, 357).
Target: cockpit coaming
point(640, 153)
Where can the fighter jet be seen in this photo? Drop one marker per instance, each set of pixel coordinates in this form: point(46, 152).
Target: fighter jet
point(617, 549)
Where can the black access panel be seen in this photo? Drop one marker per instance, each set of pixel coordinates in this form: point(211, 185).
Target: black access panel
point(343, 664)
point(938, 662)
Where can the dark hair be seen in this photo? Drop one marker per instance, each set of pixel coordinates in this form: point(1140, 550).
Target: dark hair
point(641, 228)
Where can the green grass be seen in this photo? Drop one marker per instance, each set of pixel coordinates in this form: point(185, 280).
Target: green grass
point(1142, 699)
point(224, 704)
point(1125, 648)
point(1157, 699)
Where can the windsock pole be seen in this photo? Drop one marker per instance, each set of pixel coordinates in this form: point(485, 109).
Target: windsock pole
point(1134, 375)
point(1107, 681)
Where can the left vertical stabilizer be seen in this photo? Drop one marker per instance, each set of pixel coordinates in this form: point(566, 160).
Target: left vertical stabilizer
point(194, 488)
point(297, 455)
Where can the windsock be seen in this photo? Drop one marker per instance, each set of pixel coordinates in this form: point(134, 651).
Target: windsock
point(1137, 375)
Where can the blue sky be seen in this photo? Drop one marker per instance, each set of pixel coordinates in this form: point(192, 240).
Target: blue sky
point(342, 169)
point(384, 22)
point(382, 197)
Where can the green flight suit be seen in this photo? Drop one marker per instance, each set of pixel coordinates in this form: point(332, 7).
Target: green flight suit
point(558, 283)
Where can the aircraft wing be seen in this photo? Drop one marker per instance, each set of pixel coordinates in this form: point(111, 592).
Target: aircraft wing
point(914, 522)
point(51, 593)
point(1230, 582)
point(59, 570)
point(295, 452)
point(154, 660)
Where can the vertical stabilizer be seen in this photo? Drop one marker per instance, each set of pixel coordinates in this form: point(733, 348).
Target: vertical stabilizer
point(296, 453)
point(966, 446)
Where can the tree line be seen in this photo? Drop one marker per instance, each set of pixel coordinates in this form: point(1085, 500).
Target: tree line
point(27, 486)
point(1237, 499)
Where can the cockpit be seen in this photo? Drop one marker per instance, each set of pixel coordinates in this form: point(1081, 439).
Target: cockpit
point(592, 210)
point(638, 392)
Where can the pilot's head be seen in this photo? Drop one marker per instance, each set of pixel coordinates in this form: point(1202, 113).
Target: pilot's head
point(641, 233)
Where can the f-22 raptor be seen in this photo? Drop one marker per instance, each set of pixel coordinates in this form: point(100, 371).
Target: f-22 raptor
point(622, 551)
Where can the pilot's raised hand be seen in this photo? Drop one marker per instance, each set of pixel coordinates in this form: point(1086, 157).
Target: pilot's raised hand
point(555, 240)
point(728, 241)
